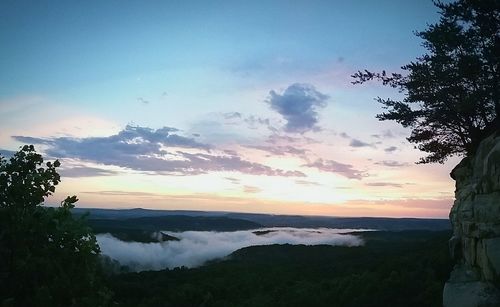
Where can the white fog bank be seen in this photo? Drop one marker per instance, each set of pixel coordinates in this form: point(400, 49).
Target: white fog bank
point(196, 247)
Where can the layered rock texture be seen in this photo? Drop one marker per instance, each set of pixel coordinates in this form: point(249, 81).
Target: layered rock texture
point(475, 216)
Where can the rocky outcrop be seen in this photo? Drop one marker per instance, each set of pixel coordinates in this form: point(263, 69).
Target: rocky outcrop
point(475, 216)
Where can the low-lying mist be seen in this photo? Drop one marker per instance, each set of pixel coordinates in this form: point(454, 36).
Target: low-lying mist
point(194, 248)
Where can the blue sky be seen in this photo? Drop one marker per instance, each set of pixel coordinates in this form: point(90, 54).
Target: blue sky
point(235, 76)
point(60, 46)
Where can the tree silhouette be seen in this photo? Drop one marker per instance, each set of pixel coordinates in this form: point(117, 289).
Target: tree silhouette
point(47, 257)
point(451, 93)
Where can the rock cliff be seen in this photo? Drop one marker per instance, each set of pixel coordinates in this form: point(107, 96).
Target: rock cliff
point(475, 216)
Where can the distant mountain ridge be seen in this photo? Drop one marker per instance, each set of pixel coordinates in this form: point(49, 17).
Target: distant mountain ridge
point(147, 229)
point(175, 223)
point(211, 220)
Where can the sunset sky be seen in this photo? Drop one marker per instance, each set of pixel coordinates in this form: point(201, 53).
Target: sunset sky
point(218, 105)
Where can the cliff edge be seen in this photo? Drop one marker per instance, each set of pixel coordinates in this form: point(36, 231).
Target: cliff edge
point(475, 217)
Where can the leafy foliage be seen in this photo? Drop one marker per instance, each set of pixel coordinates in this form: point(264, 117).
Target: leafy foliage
point(451, 93)
point(48, 258)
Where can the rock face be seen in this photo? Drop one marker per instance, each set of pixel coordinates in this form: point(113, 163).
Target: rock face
point(475, 216)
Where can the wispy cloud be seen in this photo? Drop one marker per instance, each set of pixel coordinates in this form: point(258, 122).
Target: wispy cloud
point(307, 183)
point(85, 171)
point(392, 163)
point(286, 139)
point(358, 143)
point(202, 163)
point(390, 149)
point(6, 153)
point(280, 150)
point(386, 134)
point(120, 193)
point(142, 100)
point(251, 121)
point(298, 105)
point(384, 184)
point(32, 140)
point(233, 180)
point(233, 127)
point(346, 170)
point(251, 189)
point(231, 115)
point(355, 142)
point(254, 122)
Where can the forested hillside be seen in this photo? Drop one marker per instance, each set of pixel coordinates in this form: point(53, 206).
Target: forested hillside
point(393, 269)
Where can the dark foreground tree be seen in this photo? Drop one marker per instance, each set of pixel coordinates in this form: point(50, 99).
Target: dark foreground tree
point(451, 94)
point(47, 257)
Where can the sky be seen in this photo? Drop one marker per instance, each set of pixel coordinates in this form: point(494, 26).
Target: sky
point(241, 106)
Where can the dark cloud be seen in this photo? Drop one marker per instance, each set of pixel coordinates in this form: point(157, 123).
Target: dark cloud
point(390, 149)
point(342, 169)
point(145, 149)
point(83, 171)
point(298, 105)
point(358, 143)
point(384, 184)
point(132, 140)
point(344, 135)
point(392, 163)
